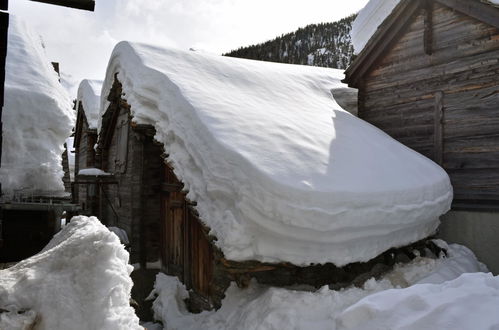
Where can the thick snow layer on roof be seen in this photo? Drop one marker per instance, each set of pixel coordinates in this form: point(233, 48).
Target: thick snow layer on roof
point(80, 280)
point(37, 116)
point(279, 171)
point(262, 308)
point(368, 21)
point(89, 96)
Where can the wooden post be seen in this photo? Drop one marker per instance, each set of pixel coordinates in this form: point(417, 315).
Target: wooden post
point(4, 26)
point(438, 127)
point(428, 27)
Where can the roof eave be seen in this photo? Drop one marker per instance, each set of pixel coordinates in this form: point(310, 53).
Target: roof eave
point(77, 4)
point(384, 36)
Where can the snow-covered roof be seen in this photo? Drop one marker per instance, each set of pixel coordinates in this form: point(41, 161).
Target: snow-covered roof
point(368, 20)
point(37, 116)
point(89, 96)
point(279, 171)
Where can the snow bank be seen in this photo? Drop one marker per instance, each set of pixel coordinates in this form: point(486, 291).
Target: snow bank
point(467, 303)
point(368, 21)
point(37, 116)
point(260, 307)
point(79, 281)
point(89, 96)
point(279, 171)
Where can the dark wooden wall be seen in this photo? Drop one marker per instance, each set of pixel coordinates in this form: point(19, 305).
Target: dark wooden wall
point(133, 204)
point(442, 100)
point(186, 250)
point(85, 139)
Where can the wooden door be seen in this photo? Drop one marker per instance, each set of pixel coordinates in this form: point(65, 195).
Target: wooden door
point(173, 220)
point(201, 260)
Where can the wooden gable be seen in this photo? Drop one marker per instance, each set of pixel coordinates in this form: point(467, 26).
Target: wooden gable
point(396, 24)
point(433, 85)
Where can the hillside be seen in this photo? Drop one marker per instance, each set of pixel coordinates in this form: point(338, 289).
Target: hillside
point(324, 44)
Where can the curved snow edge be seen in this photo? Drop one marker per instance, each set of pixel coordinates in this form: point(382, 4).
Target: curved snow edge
point(253, 216)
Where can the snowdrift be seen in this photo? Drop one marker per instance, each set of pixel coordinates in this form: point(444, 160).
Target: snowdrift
point(79, 281)
point(89, 97)
point(469, 302)
point(279, 171)
point(37, 116)
point(368, 21)
point(260, 307)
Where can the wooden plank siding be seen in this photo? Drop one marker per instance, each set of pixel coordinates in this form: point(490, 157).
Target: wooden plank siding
point(85, 139)
point(129, 152)
point(444, 105)
point(187, 252)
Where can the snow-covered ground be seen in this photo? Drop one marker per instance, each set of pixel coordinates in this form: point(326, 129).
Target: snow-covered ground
point(37, 116)
point(278, 170)
point(424, 294)
point(79, 281)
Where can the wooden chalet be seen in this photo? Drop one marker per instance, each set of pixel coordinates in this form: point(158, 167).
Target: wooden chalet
point(148, 201)
point(429, 78)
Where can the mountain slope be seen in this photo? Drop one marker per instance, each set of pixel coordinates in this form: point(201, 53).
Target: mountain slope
point(324, 44)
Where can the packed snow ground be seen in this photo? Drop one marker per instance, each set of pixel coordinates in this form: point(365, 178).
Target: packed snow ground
point(414, 296)
point(89, 97)
point(37, 116)
point(80, 281)
point(278, 170)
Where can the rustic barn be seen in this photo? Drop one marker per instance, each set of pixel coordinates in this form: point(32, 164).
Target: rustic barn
point(191, 195)
point(85, 193)
point(429, 78)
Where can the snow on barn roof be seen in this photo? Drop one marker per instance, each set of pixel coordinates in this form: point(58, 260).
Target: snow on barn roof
point(89, 96)
point(37, 116)
point(368, 20)
point(279, 171)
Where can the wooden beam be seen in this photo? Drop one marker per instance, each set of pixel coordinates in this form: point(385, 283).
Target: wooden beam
point(476, 9)
point(475, 205)
point(171, 187)
point(428, 27)
point(77, 4)
point(438, 127)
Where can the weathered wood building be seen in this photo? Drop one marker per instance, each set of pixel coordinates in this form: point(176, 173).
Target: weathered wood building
point(429, 77)
point(85, 193)
point(131, 199)
point(147, 200)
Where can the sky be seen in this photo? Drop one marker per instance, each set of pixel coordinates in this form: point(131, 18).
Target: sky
point(82, 41)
